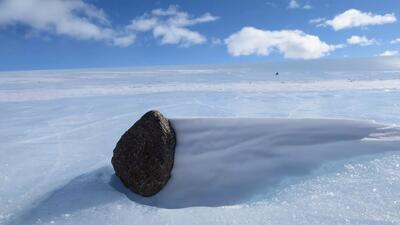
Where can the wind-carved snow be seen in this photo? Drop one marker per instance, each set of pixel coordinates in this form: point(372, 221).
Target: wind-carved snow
point(226, 163)
point(229, 161)
point(389, 133)
point(58, 130)
point(236, 164)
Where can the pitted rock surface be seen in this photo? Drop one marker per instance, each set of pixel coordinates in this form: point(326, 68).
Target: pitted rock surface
point(144, 156)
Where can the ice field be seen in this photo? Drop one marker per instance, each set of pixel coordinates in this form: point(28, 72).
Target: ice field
point(318, 144)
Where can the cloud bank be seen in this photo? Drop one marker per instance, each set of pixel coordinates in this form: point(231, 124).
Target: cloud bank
point(80, 20)
point(73, 18)
point(291, 43)
point(355, 18)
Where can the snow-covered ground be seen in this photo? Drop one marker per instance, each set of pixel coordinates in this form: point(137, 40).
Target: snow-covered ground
point(320, 144)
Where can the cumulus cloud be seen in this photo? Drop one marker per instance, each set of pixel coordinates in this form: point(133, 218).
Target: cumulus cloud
point(171, 26)
point(389, 53)
point(291, 43)
point(356, 18)
point(73, 18)
point(360, 40)
point(83, 21)
point(395, 41)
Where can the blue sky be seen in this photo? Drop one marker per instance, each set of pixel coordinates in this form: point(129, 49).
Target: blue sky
point(53, 34)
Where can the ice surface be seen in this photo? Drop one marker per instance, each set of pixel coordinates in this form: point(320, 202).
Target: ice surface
point(58, 129)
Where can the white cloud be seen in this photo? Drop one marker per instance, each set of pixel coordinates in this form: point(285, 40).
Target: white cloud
point(291, 43)
point(317, 21)
point(395, 41)
point(360, 40)
point(356, 18)
point(171, 26)
point(124, 41)
point(294, 4)
point(389, 53)
point(73, 18)
point(80, 20)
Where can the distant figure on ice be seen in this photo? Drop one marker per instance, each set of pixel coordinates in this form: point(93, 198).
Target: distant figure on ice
point(276, 74)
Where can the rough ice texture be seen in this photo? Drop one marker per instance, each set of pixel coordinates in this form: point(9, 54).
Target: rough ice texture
point(144, 156)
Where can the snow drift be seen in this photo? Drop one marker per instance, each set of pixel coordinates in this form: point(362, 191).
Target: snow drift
point(222, 162)
point(230, 161)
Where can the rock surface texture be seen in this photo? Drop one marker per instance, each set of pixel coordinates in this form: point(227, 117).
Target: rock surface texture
point(144, 156)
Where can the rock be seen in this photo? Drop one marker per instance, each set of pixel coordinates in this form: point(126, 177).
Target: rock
point(144, 156)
